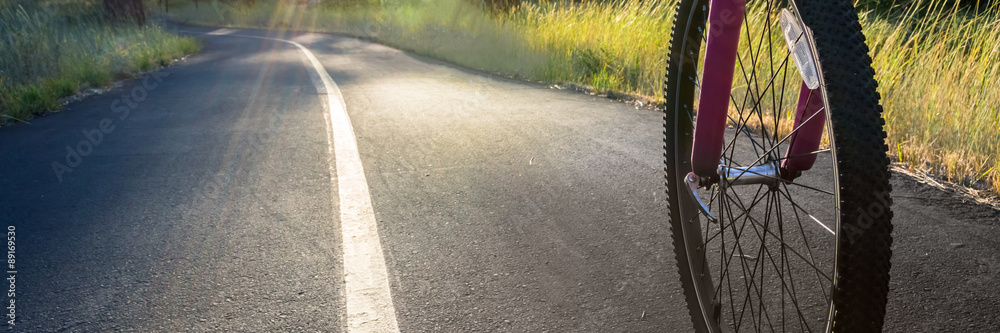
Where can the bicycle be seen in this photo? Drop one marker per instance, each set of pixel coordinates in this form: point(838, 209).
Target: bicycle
point(779, 205)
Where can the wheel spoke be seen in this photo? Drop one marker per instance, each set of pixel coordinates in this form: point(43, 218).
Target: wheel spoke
point(786, 287)
point(807, 261)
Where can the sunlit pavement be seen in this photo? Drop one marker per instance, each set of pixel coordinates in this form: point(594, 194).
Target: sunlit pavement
point(208, 197)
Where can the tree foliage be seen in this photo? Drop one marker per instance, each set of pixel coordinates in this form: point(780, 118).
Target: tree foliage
point(499, 6)
point(125, 11)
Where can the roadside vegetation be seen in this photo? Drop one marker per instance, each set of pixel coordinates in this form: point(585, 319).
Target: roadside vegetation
point(54, 49)
point(936, 60)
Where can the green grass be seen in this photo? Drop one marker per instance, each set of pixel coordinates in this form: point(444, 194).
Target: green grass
point(937, 65)
point(54, 49)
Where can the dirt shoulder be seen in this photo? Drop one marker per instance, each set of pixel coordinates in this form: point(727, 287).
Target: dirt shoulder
point(946, 259)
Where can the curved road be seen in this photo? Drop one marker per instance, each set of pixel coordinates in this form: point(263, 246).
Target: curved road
point(209, 196)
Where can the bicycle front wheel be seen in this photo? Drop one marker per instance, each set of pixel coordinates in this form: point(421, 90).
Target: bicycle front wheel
point(806, 255)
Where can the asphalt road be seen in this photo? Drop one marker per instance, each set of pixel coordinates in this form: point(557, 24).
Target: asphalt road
point(206, 204)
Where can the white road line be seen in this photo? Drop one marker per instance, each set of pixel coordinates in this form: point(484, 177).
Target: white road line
point(369, 302)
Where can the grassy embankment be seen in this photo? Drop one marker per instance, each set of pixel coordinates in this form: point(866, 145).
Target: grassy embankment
point(52, 50)
point(937, 66)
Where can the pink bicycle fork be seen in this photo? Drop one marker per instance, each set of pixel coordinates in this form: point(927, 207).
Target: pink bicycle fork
point(725, 20)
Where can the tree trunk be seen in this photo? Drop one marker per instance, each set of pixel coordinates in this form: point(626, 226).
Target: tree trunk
point(125, 11)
